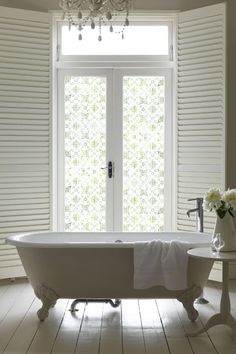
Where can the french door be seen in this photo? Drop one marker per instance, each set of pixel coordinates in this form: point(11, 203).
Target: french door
point(114, 149)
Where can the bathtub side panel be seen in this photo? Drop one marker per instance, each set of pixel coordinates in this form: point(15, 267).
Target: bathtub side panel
point(96, 273)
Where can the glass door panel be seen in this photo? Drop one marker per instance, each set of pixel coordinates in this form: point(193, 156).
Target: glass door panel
point(121, 116)
point(143, 153)
point(85, 112)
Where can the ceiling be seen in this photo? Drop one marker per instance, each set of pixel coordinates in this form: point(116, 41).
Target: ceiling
point(42, 5)
point(46, 5)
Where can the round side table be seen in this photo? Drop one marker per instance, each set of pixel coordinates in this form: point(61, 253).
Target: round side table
point(224, 316)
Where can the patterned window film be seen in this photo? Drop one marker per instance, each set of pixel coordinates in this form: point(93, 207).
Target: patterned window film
point(143, 153)
point(85, 153)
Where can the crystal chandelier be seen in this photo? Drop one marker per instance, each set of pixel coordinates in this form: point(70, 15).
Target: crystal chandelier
point(97, 13)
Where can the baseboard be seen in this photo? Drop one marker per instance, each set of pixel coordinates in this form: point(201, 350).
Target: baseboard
point(12, 272)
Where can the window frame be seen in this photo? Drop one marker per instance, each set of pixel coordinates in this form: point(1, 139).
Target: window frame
point(144, 62)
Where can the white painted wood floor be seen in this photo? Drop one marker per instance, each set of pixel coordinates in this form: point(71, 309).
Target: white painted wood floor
point(136, 327)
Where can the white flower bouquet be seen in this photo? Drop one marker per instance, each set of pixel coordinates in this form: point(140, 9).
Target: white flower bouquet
point(221, 202)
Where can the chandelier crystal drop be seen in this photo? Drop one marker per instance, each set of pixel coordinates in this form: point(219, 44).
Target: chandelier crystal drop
point(96, 13)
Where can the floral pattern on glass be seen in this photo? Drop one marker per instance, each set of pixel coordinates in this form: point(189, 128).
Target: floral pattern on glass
point(143, 153)
point(85, 153)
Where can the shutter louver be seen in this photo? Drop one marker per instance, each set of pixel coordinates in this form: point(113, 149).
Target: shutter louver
point(200, 109)
point(24, 129)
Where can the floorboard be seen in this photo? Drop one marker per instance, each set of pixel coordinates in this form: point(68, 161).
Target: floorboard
point(67, 336)
point(136, 327)
point(9, 298)
point(111, 331)
point(90, 333)
point(22, 338)
point(133, 339)
point(154, 336)
point(15, 316)
point(47, 331)
point(177, 341)
point(201, 344)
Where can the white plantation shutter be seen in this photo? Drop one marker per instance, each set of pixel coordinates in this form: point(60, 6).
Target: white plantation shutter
point(200, 109)
point(24, 129)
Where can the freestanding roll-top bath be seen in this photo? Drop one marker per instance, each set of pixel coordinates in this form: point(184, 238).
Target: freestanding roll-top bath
point(100, 265)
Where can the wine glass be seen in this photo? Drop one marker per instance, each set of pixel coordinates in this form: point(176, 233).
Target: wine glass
point(217, 243)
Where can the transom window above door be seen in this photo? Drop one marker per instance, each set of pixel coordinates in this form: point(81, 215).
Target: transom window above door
point(115, 45)
point(155, 37)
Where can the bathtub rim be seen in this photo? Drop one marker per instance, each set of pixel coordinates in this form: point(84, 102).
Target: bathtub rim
point(20, 240)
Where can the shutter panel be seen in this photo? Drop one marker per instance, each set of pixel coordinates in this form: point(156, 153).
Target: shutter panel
point(24, 129)
point(200, 109)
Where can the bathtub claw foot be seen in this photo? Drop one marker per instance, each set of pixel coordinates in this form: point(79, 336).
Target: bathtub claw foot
point(48, 297)
point(187, 298)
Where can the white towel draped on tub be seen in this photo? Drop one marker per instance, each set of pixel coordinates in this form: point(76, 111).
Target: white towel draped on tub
point(160, 263)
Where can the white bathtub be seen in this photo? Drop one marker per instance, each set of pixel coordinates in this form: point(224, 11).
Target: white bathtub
point(94, 265)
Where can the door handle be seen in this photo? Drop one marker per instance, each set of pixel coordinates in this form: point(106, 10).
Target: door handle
point(109, 168)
